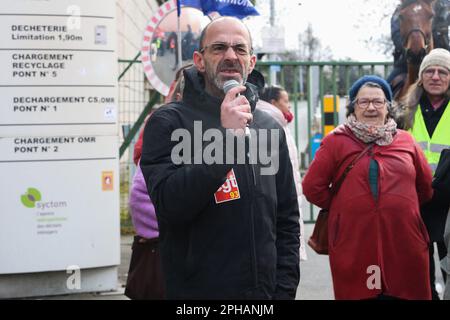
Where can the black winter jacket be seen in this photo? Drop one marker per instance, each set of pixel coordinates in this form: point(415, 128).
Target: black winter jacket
point(240, 249)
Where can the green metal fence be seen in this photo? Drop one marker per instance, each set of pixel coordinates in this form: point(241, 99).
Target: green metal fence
point(334, 78)
point(135, 100)
point(306, 82)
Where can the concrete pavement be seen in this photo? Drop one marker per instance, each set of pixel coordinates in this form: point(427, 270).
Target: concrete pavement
point(315, 282)
point(315, 275)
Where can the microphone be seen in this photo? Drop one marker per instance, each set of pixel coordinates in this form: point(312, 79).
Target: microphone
point(230, 84)
point(227, 86)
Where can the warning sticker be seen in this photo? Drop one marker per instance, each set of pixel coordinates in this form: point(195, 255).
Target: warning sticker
point(107, 180)
point(229, 190)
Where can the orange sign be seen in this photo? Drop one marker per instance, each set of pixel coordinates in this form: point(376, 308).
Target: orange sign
point(107, 180)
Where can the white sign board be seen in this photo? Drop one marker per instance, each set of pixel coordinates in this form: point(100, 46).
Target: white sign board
point(59, 203)
point(273, 39)
point(92, 110)
point(59, 158)
point(59, 67)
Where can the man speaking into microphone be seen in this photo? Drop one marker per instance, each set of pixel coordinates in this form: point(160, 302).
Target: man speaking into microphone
point(228, 230)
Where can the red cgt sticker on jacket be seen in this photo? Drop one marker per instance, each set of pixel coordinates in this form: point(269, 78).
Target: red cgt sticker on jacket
point(229, 190)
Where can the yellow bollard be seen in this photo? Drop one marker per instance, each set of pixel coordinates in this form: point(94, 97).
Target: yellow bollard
point(328, 113)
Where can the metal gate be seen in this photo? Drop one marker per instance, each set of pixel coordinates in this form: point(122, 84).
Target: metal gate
point(309, 85)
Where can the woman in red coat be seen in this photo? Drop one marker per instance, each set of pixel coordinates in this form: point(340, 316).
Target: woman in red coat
point(378, 244)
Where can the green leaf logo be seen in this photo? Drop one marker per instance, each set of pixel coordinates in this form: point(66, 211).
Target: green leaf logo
point(30, 197)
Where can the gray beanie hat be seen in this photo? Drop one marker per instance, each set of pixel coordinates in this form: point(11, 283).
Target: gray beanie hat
point(436, 57)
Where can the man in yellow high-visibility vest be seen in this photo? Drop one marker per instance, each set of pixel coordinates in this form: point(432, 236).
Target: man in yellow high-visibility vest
point(427, 117)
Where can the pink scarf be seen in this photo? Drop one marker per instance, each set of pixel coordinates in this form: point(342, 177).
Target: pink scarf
point(381, 135)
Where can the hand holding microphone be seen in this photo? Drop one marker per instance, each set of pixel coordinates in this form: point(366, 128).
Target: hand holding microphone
point(235, 110)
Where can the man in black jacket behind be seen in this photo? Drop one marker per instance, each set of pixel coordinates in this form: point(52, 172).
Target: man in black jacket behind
point(226, 202)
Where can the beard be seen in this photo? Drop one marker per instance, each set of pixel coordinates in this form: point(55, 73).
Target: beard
point(213, 77)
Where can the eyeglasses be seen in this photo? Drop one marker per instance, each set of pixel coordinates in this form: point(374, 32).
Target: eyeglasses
point(219, 48)
point(429, 73)
point(364, 103)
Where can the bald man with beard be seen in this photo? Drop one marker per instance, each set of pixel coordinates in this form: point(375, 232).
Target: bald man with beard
point(229, 229)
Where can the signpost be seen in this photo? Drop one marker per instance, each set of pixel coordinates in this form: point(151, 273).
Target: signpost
point(59, 139)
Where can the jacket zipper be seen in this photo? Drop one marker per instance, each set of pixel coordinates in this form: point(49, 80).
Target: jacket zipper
point(247, 146)
point(253, 174)
point(252, 217)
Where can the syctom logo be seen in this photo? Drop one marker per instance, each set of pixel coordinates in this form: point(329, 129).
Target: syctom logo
point(30, 197)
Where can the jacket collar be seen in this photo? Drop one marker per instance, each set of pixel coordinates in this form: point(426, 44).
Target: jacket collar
point(194, 93)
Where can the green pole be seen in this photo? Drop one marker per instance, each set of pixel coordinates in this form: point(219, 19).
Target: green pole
point(308, 76)
point(335, 114)
point(129, 65)
point(296, 104)
point(321, 94)
point(347, 78)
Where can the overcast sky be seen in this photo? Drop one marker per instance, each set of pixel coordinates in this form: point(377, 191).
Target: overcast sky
point(343, 25)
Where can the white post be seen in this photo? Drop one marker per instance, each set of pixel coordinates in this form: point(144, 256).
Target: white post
point(273, 71)
point(180, 62)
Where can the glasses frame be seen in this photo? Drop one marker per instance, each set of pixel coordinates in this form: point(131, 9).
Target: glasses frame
point(235, 48)
point(371, 101)
point(442, 73)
